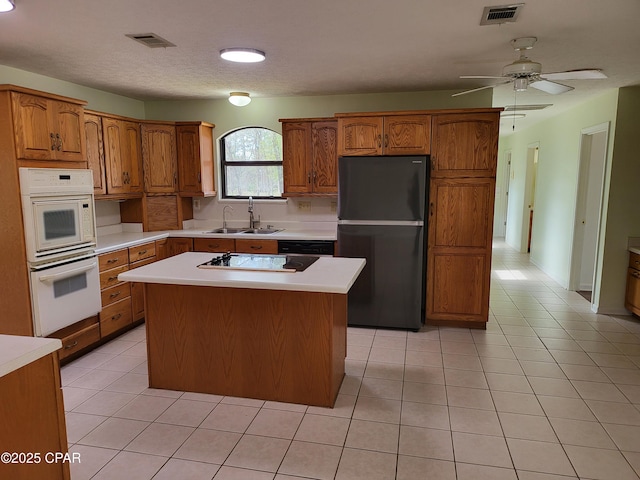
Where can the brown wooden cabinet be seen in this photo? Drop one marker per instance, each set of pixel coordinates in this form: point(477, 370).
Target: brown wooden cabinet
point(139, 256)
point(310, 159)
point(159, 157)
point(95, 152)
point(632, 296)
point(176, 246)
point(123, 156)
point(195, 159)
point(215, 245)
point(464, 144)
point(460, 218)
point(384, 134)
point(48, 127)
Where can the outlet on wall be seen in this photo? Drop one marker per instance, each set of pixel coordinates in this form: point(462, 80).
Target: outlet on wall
point(334, 206)
point(196, 204)
point(304, 206)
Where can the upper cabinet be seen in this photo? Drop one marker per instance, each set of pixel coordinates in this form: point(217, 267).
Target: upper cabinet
point(310, 159)
point(123, 157)
point(160, 163)
point(48, 128)
point(384, 135)
point(195, 159)
point(95, 151)
point(464, 144)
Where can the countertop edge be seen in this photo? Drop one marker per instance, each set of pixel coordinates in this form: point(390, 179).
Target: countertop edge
point(635, 250)
point(18, 351)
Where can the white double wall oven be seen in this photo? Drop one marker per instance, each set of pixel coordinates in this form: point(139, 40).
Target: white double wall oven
point(60, 236)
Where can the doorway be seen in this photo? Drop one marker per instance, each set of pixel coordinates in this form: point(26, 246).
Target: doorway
point(591, 173)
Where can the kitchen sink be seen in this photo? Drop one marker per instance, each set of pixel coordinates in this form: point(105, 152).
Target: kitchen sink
point(262, 231)
point(227, 230)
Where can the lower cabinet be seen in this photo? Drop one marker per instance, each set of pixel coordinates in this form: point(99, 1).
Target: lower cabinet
point(77, 337)
point(632, 297)
point(256, 246)
point(215, 245)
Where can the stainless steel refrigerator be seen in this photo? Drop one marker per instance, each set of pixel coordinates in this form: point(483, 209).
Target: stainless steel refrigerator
point(381, 217)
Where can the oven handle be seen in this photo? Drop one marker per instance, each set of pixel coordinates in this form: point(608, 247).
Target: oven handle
point(69, 273)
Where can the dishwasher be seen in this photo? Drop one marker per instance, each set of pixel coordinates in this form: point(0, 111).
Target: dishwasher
point(306, 247)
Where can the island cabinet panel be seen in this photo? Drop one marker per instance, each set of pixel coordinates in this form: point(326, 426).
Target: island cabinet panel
point(159, 158)
point(269, 344)
point(195, 159)
point(32, 419)
point(48, 129)
point(464, 144)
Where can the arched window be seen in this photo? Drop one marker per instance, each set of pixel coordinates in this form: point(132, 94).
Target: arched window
point(251, 163)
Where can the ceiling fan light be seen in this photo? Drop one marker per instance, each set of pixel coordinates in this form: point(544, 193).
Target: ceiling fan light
point(242, 55)
point(6, 5)
point(239, 99)
point(520, 84)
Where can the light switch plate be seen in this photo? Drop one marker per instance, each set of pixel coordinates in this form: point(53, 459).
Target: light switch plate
point(304, 206)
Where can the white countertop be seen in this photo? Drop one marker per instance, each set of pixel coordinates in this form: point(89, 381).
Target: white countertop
point(17, 351)
point(634, 250)
point(327, 275)
point(116, 241)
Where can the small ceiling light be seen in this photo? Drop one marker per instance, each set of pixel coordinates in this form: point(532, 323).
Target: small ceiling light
point(6, 6)
point(239, 99)
point(242, 55)
point(520, 84)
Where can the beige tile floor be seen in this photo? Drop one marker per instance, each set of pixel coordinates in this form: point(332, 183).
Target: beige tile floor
point(549, 391)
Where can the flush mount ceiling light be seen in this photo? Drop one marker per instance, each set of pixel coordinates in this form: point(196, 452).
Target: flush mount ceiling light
point(6, 6)
point(239, 99)
point(242, 55)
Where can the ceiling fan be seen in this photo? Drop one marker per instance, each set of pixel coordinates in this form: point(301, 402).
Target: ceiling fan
point(525, 72)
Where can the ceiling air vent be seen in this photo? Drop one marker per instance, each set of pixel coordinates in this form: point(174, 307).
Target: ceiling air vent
point(501, 14)
point(513, 108)
point(151, 40)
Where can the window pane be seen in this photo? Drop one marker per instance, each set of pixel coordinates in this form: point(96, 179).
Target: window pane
point(253, 145)
point(258, 181)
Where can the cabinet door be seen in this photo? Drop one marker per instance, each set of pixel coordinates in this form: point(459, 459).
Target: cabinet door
point(112, 131)
point(296, 157)
point(195, 160)
point(407, 135)
point(464, 145)
point(33, 136)
point(459, 249)
point(215, 245)
point(632, 297)
point(256, 246)
point(67, 124)
point(360, 136)
point(132, 156)
point(95, 152)
point(159, 158)
point(325, 157)
point(176, 246)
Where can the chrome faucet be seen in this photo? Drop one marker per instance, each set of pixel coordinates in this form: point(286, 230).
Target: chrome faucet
point(224, 216)
point(253, 223)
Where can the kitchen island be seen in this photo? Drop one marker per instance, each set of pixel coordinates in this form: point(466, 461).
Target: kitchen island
point(271, 335)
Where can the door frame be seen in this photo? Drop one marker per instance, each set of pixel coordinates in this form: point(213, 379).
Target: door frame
point(529, 194)
point(581, 201)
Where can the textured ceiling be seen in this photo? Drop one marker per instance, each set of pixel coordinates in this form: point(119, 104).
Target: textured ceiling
point(317, 48)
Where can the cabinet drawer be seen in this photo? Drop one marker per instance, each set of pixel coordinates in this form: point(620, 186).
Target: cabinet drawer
point(140, 263)
point(114, 294)
point(634, 261)
point(140, 252)
point(214, 245)
point(109, 278)
point(113, 259)
point(115, 316)
point(256, 246)
point(79, 340)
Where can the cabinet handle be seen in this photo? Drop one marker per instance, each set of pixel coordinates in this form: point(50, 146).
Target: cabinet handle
point(386, 140)
point(53, 141)
point(199, 177)
point(116, 317)
point(113, 260)
point(308, 177)
point(379, 140)
point(256, 247)
point(142, 252)
point(635, 274)
point(431, 209)
point(114, 295)
point(433, 164)
point(71, 345)
point(217, 245)
point(111, 279)
point(59, 141)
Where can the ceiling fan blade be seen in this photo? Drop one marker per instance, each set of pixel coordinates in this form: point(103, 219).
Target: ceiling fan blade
point(550, 87)
point(584, 74)
point(480, 88)
point(478, 76)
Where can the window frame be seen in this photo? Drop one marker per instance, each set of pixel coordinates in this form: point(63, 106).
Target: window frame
point(260, 163)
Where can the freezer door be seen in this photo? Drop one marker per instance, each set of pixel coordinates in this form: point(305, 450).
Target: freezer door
point(382, 188)
point(390, 290)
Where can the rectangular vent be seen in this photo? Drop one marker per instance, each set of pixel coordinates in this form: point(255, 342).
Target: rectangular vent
point(519, 108)
point(501, 14)
point(151, 40)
